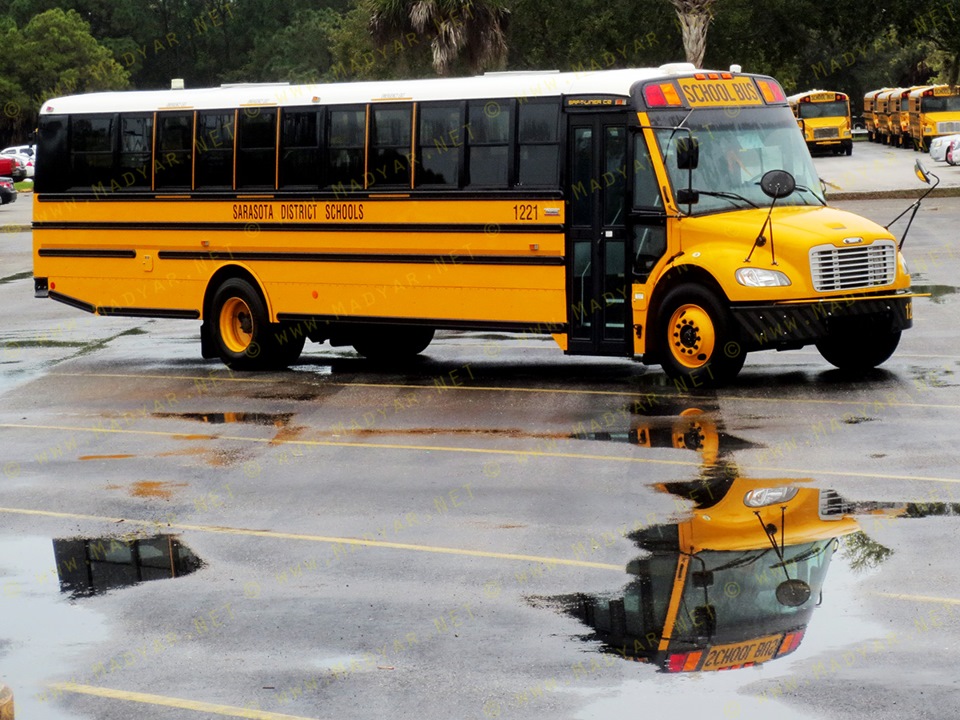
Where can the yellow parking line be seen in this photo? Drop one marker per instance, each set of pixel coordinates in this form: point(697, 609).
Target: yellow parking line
point(222, 530)
point(179, 703)
point(920, 598)
point(525, 454)
point(628, 393)
point(363, 445)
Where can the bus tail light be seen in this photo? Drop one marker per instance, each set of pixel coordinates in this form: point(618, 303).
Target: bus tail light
point(771, 91)
point(684, 662)
point(791, 642)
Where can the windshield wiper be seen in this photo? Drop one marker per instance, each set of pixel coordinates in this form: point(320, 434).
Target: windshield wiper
point(806, 189)
point(727, 196)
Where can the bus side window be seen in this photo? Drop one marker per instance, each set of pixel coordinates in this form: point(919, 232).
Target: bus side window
point(649, 228)
point(300, 132)
point(539, 140)
point(345, 146)
point(214, 160)
point(173, 159)
point(53, 169)
point(257, 148)
point(136, 144)
point(488, 160)
point(390, 145)
point(440, 142)
point(91, 150)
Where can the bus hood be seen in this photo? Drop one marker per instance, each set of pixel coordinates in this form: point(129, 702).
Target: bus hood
point(721, 243)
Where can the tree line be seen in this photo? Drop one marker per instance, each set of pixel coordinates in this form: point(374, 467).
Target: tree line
point(62, 47)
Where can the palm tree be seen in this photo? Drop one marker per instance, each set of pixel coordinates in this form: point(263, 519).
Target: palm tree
point(475, 28)
point(695, 17)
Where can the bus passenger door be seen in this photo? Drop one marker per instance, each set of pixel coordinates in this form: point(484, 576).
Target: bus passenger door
point(598, 282)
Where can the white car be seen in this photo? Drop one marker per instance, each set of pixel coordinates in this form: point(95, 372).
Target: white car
point(938, 147)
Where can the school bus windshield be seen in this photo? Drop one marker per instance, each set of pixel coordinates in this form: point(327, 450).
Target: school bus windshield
point(742, 590)
point(947, 103)
point(810, 110)
point(737, 146)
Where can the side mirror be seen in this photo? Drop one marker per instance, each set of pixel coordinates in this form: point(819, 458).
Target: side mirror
point(688, 153)
point(777, 184)
point(793, 593)
point(921, 172)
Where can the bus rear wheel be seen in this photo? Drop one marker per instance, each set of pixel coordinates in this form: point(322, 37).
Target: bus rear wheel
point(697, 339)
point(859, 350)
point(243, 335)
point(393, 342)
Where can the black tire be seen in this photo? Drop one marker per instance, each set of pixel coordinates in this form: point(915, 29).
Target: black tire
point(697, 341)
point(288, 344)
point(240, 327)
point(857, 351)
point(392, 342)
point(849, 150)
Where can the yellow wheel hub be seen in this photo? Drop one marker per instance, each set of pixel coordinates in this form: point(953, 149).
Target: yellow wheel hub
point(236, 325)
point(692, 336)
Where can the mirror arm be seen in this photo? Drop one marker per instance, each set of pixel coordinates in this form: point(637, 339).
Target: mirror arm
point(914, 207)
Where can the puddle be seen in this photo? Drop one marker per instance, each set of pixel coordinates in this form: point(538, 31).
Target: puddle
point(49, 626)
point(268, 419)
point(937, 292)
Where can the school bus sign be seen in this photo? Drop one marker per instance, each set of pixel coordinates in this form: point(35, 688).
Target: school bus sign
point(718, 93)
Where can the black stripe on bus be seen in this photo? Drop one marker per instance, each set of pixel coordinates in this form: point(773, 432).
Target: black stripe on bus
point(72, 302)
point(306, 195)
point(450, 259)
point(253, 225)
point(541, 328)
point(150, 313)
point(86, 253)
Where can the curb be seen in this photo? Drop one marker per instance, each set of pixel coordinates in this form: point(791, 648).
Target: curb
point(6, 703)
point(10, 229)
point(947, 192)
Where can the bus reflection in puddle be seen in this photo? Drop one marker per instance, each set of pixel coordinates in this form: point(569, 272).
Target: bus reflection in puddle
point(736, 583)
point(90, 566)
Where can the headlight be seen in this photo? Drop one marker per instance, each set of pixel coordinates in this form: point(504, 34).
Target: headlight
point(757, 277)
point(761, 497)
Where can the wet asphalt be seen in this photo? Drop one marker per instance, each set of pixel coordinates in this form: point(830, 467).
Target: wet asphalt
point(342, 540)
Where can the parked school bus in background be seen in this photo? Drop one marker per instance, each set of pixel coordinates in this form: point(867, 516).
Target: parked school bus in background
point(667, 214)
point(886, 103)
point(934, 111)
point(904, 140)
point(869, 113)
point(824, 118)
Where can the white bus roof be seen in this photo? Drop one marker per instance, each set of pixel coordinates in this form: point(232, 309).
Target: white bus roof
point(491, 85)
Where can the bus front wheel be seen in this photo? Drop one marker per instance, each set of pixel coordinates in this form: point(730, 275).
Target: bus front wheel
point(697, 339)
point(244, 337)
point(859, 350)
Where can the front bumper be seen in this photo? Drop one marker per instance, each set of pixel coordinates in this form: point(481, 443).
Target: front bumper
point(783, 326)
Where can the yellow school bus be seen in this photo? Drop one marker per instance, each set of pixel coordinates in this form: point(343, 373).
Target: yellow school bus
point(904, 140)
point(869, 113)
point(887, 103)
point(934, 111)
point(669, 214)
point(824, 118)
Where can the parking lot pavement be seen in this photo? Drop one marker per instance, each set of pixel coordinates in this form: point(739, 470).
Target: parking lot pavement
point(458, 537)
point(875, 168)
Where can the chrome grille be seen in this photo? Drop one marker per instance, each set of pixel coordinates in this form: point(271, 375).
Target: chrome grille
point(849, 268)
point(948, 127)
point(825, 133)
point(832, 506)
